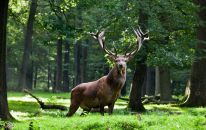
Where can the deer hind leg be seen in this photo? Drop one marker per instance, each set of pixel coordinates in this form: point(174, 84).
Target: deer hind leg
point(73, 108)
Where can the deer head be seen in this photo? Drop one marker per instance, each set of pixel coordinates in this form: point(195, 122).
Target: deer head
point(121, 59)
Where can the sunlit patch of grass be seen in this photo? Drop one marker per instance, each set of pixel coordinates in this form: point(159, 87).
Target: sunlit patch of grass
point(157, 117)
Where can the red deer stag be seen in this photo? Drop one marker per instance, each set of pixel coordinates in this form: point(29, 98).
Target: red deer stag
point(104, 91)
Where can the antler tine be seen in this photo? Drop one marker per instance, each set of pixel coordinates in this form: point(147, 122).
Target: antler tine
point(127, 49)
point(101, 38)
point(115, 50)
point(141, 37)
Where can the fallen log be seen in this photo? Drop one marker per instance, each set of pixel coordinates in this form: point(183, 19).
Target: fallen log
point(46, 106)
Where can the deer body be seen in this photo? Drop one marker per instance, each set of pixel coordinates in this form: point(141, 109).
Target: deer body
point(98, 94)
point(104, 91)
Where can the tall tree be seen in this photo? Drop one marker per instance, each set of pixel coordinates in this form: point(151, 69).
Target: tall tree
point(135, 103)
point(198, 77)
point(4, 110)
point(77, 62)
point(59, 66)
point(165, 85)
point(23, 79)
point(66, 67)
point(84, 62)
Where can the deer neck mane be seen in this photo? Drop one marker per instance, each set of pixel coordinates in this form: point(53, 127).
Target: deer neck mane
point(116, 77)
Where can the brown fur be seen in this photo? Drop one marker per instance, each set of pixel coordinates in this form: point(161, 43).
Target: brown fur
point(99, 93)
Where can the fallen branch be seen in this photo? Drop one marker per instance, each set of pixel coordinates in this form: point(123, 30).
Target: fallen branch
point(46, 106)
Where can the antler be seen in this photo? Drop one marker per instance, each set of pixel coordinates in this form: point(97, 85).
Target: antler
point(101, 38)
point(141, 38)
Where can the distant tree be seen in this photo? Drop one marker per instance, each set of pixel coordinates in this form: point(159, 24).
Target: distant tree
point(26, 62)
point(66, 66)
point(197, 96)
point(58, 86)
point(165, 85)
point(77, 62)
point(4, 110)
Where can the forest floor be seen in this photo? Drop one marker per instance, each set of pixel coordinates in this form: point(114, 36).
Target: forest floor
point(157, 117)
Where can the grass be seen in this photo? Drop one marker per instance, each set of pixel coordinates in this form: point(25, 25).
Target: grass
point(157, 117)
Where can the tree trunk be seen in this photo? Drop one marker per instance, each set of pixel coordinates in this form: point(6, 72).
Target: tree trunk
point(54, 81)
point(197, 96)
point(4, 110)
point(135, 103)
point(157, 81)
point(77, 59)
point(84, 63)
point(59, 66)
point(35, 76)
point(29, 76)
point(165, 85)
point(49, 76)
point(66, 67)
point(150, 82)
point(27, 46)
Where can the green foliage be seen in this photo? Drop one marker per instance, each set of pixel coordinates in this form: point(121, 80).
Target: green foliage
point(171, 26)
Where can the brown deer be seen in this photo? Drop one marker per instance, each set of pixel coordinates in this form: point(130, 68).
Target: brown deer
point(104, 91)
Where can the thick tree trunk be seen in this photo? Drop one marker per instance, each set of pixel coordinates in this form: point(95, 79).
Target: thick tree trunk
point(150, 82)
point(197, 96)
point(27, 46)
point(84, 63)
point(4, 110)
point(29, 76)
point(66, 67)
point(135, 103)
point(77, 60)
point(157, 81)
point(59, 66)
point(165, 85)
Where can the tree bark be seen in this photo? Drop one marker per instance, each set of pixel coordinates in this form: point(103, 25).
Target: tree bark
point(197, 96)
point(4, 110)
point(135, 103)
point(66, 67)
point(59, 66)
point(84, 63)
point(29, 76)
point(49, 76)
point(150, 82)
point(165, 85)
point(157, 81)
point(77, 61)
point(27, 46)
point(35, 75)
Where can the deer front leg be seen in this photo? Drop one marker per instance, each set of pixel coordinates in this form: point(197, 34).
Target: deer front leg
point(110, 108)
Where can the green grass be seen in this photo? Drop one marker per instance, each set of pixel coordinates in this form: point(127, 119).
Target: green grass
point(157, 117)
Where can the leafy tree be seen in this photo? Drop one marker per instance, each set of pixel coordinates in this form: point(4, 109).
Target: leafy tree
point(198, 77)
point(4, 110)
